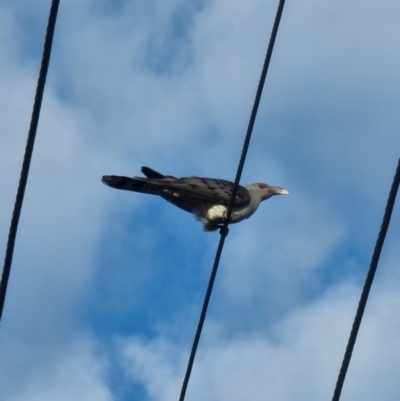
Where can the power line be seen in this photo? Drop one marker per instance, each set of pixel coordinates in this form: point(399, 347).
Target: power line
point(368, 284)
point(224, 229)
point(28, 152)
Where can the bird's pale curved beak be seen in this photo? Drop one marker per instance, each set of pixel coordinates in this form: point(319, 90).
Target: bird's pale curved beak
point(280, 191)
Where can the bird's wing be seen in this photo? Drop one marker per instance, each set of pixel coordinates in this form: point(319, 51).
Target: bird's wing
point(150, 173)
point(194, 189)
point(184, 192)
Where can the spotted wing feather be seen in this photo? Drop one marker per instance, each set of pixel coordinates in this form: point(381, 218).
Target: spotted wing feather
point(209, 190)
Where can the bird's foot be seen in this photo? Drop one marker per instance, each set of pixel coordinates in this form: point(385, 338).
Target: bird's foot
point(223, 230)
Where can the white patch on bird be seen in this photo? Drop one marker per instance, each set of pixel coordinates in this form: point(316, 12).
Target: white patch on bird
point(176, 195)
point(216, 212)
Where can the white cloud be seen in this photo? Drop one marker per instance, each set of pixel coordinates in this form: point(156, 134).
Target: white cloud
point(68, 373)
point(299, 358)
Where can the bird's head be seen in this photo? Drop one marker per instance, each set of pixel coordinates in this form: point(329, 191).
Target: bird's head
point(265, 191)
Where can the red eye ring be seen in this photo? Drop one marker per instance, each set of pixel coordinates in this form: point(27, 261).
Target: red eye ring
point(263, 186)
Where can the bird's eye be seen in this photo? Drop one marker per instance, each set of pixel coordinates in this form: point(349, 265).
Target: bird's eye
point(263, 186)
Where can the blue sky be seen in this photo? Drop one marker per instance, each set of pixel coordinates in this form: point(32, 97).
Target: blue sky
point(107, 286)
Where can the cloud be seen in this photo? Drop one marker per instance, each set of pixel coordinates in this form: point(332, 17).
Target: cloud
point(71, 372)
point(45, 355)
point(298, 357)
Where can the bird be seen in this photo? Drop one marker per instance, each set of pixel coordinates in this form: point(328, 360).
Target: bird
point(207, 198)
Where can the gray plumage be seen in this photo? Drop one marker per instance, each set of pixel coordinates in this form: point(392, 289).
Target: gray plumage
point(206, 198)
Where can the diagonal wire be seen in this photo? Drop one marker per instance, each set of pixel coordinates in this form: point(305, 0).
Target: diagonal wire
point(368, 283)
point(224, 229)
point(28, 152)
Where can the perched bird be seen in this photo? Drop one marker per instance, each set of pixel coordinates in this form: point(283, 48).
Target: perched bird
point(206, 198)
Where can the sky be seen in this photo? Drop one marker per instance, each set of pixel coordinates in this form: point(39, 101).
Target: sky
point(106, 286)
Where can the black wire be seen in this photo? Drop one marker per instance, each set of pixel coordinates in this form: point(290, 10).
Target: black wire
point(368, 283)
point(28, 152)
point(224, 229)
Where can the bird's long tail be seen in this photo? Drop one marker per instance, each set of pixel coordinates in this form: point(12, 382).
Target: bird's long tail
point(136, 184)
